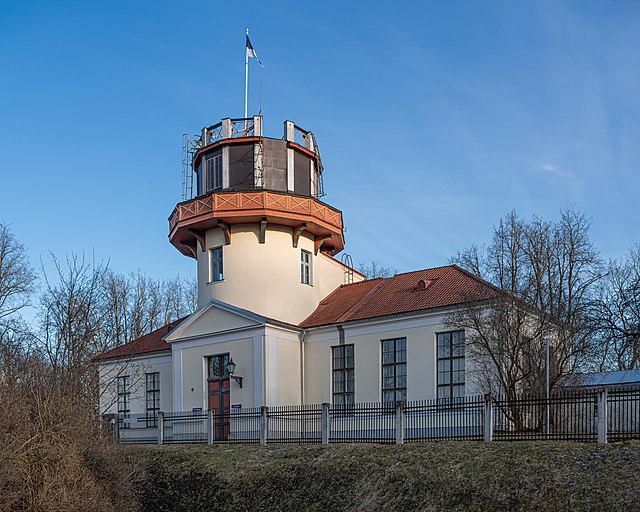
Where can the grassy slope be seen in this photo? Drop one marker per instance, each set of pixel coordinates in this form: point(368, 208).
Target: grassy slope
point(434, 476)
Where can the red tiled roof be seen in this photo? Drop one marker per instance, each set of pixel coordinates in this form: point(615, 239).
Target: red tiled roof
point(146, 344)
point(446, 286)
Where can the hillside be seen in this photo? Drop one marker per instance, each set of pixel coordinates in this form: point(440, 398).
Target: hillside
point(435, 476)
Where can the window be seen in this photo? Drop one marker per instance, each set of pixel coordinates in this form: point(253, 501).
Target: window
point(124, 398)
point(215, 264)
point(343, 375)
point(153, 398)
point(218, 366)
point(394, 370)
point(305, 267)
point(214, 173)
point(451, 364)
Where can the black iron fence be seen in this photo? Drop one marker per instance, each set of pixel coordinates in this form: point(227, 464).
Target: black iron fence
point(586, 416)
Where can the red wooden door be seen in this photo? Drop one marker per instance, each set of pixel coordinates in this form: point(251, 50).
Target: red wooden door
point(220, 403)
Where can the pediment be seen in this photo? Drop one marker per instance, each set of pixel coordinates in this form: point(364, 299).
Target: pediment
point(215, 317)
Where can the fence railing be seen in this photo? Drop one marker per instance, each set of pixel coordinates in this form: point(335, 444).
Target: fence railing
point(230, 129)
point(586, 416)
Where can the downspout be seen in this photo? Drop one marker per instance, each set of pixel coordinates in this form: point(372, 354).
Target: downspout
point(302, 337)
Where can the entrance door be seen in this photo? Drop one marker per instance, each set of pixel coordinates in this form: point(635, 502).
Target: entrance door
point(219, 397)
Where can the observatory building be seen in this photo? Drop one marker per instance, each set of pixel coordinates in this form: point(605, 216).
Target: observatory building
point(262, 238)
point(282, 319)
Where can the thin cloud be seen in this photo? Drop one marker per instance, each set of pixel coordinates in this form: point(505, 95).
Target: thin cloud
point(554, 169)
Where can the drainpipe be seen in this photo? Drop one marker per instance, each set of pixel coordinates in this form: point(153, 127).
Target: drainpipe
point(302, 337)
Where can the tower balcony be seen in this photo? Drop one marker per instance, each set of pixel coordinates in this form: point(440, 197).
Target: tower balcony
point(191, 219)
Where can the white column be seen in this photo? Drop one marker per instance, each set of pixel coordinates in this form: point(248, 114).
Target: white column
point(226, 128)
point(257, 126)
point(488, 417)
point(602, 416)
point(325, 424)
point(258, 371)
point(160, 427)
point(289, 135)
point(225, 167)
point(400, 422)
point(290, 170)
point(176, 363)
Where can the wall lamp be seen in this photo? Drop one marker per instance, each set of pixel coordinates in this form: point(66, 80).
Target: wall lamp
point(231, 369)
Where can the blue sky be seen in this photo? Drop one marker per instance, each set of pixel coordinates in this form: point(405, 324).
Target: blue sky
point(434, 119)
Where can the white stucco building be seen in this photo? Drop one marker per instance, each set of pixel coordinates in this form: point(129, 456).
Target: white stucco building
point(298, 325)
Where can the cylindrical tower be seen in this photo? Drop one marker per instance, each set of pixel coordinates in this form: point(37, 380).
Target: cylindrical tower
point(262, 239)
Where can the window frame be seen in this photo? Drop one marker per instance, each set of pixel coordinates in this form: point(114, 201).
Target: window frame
point(221, 362)
point(452, 368)
point(213, 172)
point(213, 277)
point(123, 391)
point(306, 267)
point(346, 398)
point(399, 392)
point(152, 395)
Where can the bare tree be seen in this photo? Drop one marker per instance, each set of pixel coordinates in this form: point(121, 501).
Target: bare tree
point(617, 314)
point(546, 272)
point(87, 309)
point(374, 269)
point(16, 276)
point(71, 320)
point(136, 305)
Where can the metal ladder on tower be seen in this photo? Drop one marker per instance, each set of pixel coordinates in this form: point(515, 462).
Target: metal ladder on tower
point(347, 261)
point(190, 145)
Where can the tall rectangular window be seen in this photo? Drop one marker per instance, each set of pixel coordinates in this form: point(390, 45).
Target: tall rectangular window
point(344, 382)
point(215, 264)
point(305, 267)
point(153, 398)
point(451, 364)
point(394, 370)
point(214, 173)
point(124, 403)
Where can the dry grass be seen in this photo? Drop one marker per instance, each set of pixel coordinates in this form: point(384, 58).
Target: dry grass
point(53, 457)
point(436, 476)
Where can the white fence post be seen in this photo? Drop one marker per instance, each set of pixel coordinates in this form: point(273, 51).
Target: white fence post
point(325, 424)
point(160, 427)
point(116, 427)
point(400, 422)
point(488, 417)
point(210, 426)
point(602, 416)
point(263, 425)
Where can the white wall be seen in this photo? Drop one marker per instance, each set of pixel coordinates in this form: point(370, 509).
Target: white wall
point(193, 389)
point(265, 278)
point(420, 332)
point(135, 368)
point(267, 358)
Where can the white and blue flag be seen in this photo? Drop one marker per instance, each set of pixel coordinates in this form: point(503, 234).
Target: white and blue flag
point(251, 53)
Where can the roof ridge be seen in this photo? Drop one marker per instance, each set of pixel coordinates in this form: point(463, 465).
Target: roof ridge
point(422, 270)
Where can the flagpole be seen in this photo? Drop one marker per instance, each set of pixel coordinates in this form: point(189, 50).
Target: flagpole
point(246, 78)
